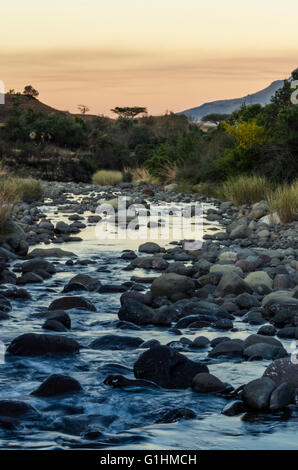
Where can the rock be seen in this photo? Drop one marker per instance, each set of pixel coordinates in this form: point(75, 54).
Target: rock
point(241, 231)
point(54, 325)
point(142, 298)
point(225, 268)
point(207, 383)
point(67, 303)
point(264, 351)
point(256, 394)
point(5, 305)
point(259, 278)
point(50, 253)
point(171, 416)
point(228, 256)
point(288, 332)
point(231, 283)
point(15, 237)
point(234, 408)
point(57, 384)
point(59, 316)
point(267, 330)
point(281, 397)
point(150, 247)
point(246, 301)
point(119, 381)
point(29, 278)
point(256, 339)
point(62, 227)
point(170, 284)
point(230, 348)
point(284, 370)
point(200, 342)
point(223, 324)
point(140, 314)
point(114, 342)
point(33, 344)
point(167, 368)
point(86, 281)
point(17, 409)
point(111, 288)
point(38, 263)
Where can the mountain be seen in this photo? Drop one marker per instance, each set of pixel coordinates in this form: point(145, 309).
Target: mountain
point(228, 106)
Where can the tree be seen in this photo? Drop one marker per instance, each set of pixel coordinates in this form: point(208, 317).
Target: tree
point(30, 92)
point(129, 112)
point(83, 108)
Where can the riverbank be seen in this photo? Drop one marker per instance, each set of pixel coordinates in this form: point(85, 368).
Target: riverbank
point(158, 340)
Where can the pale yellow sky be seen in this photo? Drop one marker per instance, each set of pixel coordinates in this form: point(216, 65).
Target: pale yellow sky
point(163, 54)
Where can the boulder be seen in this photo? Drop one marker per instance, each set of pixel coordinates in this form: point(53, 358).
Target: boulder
point(264, 351)
point(230, 348)
point(50, 253)
point(135, 312)
point(231, 283)
point(256, 339)
point(170, 284)
point(114, 342)
point(150, 247)
point(33, 344)
point(35, 264)
point(256, 394)
point(67, 303)
point(168, 368)
point(17, 409)
point(57, 384)
point(15, 237)
point(284, 370)
point(259, 278)
point(281, 397)
point(207, 383)
point(86, 281)
point(234, 408)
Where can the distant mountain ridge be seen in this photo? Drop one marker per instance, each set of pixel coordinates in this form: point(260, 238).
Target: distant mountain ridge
point(228, 106)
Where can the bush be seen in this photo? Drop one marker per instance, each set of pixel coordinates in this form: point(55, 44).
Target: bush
point(284, 202)
point(208, 189)
point(106, 177)
point(246, 189)
point(29, 189)
point(24, 189)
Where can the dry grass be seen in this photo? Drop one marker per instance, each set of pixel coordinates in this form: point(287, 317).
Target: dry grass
point(140, 174)
point(13, 190)
point(284, 202)
point(168, 174)
point(246, 189)
point(107, 178)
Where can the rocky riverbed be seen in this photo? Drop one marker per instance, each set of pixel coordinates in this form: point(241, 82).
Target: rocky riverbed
point(130, 344)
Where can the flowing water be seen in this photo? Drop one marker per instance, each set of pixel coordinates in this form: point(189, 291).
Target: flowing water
point(123, 418)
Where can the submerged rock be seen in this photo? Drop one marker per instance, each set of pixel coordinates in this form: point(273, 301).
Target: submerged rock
point(57, 384)
point(114, 342)
point(207, 383)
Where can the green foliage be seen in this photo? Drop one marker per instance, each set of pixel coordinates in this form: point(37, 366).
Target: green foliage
point(246, 189)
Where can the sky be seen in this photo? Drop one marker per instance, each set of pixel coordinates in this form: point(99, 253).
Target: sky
point(167, 55)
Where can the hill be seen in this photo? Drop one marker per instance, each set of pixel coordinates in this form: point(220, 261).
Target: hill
point(228, 106)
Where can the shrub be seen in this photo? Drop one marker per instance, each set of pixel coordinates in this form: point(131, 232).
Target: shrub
point(24, 189)
point(246, 189)
point(29, 189)
point(284, 202)
point(208, 189)
point(106, 177)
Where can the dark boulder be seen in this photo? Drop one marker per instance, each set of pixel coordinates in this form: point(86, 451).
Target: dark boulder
point(33, 344)
point(114, 342)
point(67, 303)
point(57, 384)
point(167, 368)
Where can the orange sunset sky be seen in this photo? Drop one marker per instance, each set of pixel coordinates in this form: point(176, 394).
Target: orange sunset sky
point(162, 54)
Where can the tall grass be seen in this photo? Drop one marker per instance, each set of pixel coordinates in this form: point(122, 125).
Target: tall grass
point(107, 177)
point(168, 174)
point(141, 174)
point(284, 202)
point(208, 189)
point(20, 189)
point(246, 189)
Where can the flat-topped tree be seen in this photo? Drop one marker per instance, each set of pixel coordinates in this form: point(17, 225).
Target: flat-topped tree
point(30, 92)
point(129, 112)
